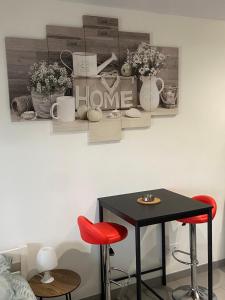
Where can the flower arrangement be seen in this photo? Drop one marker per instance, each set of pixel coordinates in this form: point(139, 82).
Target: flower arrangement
point(146, 60)
point(47, 79)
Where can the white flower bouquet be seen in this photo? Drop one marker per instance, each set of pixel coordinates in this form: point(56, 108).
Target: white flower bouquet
point(48, 79)
point(146, 60)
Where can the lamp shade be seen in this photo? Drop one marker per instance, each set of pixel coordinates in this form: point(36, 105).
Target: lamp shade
point(46, 259)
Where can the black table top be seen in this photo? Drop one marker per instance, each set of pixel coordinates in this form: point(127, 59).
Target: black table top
point(173, 206)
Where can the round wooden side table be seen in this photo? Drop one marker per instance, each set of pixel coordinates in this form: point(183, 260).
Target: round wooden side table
point(65, 282)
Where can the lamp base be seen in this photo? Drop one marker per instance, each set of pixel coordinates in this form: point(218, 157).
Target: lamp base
point(47, 278)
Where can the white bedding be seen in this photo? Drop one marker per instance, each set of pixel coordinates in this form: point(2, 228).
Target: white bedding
point(12, 285)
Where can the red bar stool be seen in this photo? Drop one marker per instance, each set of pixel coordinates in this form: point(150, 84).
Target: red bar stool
point(193, 291)
point(105, 234)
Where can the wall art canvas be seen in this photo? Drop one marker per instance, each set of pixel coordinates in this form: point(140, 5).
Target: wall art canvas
point(114, 79)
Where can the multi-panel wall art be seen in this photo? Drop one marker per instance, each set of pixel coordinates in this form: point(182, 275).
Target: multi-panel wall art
point(95, 78)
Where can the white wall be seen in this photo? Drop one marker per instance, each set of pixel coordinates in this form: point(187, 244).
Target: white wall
point(47, 180)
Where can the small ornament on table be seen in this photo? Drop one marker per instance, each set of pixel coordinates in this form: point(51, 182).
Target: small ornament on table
point(126, 69)
point(82, 112)
point(133, 113)
point(21, 104)
point(94, 114)
point(29, 115)
point(114, 114)
point(148, 199)
point(169, 96)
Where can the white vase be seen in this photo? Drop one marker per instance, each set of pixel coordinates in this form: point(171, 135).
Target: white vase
point(149, 93)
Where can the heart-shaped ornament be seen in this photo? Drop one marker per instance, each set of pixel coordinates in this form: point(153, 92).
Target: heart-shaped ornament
point(114, 85)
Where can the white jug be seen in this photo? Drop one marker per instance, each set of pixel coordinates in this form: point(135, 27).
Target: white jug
point(85, 63)
point(149, 93)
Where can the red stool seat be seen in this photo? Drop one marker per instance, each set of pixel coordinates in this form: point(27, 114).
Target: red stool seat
point(103, 233)
point(202, 218)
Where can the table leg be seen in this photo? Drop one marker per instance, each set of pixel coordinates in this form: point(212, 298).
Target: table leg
point(66, 297)
point(138, 262)
point(102, 258)
point(163, 254)
point(210, 274)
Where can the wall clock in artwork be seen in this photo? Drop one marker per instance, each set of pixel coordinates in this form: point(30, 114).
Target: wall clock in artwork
point(98, 79)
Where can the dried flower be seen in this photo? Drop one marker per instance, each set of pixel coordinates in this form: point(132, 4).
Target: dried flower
point(47, 79)
point(146, 60)
point(142, 71)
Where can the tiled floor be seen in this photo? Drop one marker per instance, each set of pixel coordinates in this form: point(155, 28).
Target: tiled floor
point(128, 293)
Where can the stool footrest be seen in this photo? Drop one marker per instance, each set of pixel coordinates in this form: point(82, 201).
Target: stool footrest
point(174, 252)
point(124, 272)
point(116, 283)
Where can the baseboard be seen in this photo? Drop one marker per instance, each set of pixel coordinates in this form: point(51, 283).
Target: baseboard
point(170, 277)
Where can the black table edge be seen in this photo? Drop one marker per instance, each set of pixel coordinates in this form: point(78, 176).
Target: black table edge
point(157, 220)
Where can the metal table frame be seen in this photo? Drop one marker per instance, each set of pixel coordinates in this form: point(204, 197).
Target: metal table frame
point(162, 220)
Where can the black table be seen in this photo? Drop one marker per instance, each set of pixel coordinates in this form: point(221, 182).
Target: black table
point(173, 206)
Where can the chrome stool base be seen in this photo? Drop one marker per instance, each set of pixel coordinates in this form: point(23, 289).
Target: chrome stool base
point(186, 293)
point(193, 291)
point(107, 252)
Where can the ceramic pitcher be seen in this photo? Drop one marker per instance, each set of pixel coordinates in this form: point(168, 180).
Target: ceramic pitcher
point(149, 94)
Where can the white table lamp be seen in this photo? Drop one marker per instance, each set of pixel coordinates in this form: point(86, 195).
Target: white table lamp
point(46, 261)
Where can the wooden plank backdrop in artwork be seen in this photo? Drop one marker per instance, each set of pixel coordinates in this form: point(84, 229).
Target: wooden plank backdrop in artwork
point(21, 53)
point(106, 130)
point(170, 73)
point(143, 122)
point(131, 41)
point(64, 38)
point(100, 22)
point(101, 37)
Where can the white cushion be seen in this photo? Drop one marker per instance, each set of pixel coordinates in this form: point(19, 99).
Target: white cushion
point(6, 291)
